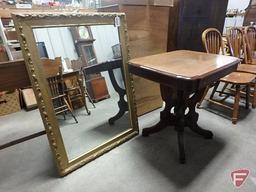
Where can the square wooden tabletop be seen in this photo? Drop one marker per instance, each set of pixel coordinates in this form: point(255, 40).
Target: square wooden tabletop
point(185, 64)
point(184, 70)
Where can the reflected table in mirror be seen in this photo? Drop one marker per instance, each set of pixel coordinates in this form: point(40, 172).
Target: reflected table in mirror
point(110, 66)
point(183, 77)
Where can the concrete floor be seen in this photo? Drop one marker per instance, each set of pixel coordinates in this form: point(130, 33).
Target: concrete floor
point(143, 164)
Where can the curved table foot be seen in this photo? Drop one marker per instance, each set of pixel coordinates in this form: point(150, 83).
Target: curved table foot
point(120, 113)
point(205, 133)
point(154, 129)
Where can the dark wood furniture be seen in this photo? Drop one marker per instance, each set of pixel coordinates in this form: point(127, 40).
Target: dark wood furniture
point(213, 43)
point(97, 88)
point(182, 86)
point(13, 75)
point(110, 66)
point(250, 14)
point(189, 18)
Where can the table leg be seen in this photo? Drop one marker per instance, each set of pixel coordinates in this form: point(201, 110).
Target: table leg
point(122, 104)
point(166, 118)
point(179, 101)
point(179, 111)
point(192, 117)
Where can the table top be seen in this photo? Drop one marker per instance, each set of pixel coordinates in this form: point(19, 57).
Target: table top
point(183, 66)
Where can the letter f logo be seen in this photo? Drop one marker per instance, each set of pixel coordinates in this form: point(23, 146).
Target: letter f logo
point(239, 177)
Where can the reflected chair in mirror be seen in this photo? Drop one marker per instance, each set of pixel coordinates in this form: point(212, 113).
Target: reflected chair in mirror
point(56, 85)
point(76, 91)
point(212, 41)
point(77, 65)
point(250, 40)
point(51, 66)
point(237, 47)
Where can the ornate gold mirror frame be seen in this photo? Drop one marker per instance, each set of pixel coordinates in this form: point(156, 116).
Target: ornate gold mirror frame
point(25, 23)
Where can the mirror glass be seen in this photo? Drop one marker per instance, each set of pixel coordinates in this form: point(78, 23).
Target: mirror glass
point(83, 68)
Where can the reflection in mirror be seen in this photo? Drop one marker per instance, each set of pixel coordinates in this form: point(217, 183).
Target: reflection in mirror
point(83, 68)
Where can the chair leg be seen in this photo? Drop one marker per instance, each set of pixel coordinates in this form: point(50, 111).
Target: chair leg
point(254, 96)
point(73, 116)
point(85, 105)
point(70, 110)
point(214, 89)
point(247, 97)
point(89, 97)
point(223, 89)
point(236, 104)
point(70, 103)
point(202, 99)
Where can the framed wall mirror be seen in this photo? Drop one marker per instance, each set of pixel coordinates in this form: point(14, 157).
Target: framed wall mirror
point(82, 85)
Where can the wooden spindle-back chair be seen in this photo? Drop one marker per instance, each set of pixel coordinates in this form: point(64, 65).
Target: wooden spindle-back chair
point(237, 46)
point(56, 85)
point(236, 43)
point(76, 91)
point(212, 40)
point(250, 40)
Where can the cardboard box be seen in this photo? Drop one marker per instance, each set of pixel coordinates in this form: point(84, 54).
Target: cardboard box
point(9, 102)
point(29, 98)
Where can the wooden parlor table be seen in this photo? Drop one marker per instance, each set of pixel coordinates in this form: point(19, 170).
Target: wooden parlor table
point(183, 77)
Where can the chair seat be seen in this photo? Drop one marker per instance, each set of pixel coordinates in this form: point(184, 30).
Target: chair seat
point(248, 68)
point(238, 78)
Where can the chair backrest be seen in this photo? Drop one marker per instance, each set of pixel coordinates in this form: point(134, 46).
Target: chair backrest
point(55, 85)
point(236, 42)
point(212, 41)
point(54, 75)
point(250, 40)
point(77, 64)
point(51, 66)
